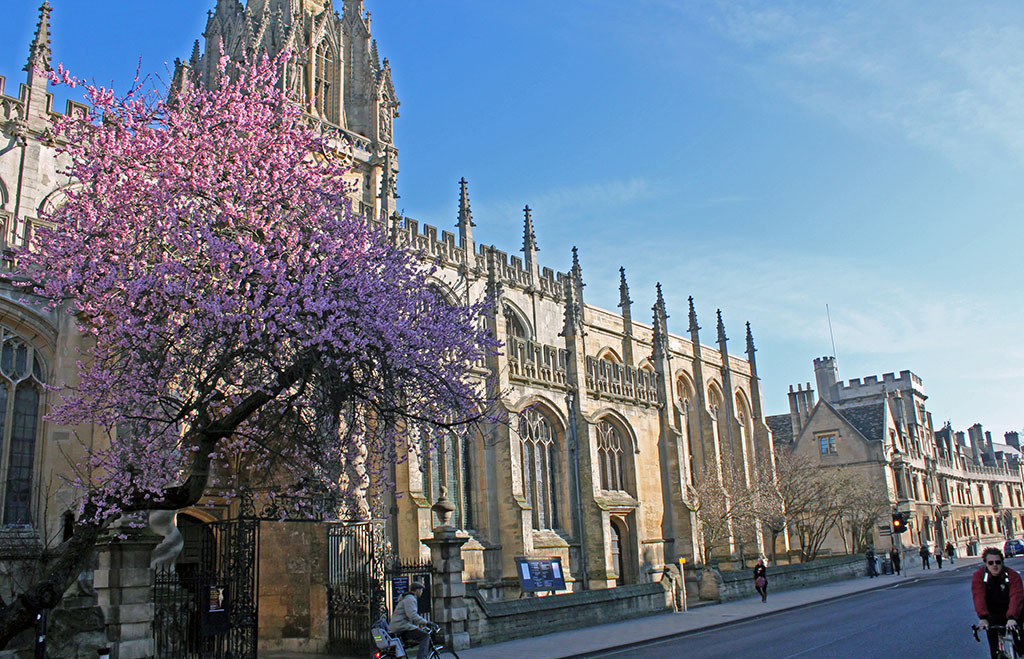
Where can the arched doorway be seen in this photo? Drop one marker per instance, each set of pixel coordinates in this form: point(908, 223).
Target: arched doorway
point(616, 551)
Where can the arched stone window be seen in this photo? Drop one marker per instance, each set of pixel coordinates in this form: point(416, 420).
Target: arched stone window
point(541, 471)
point(687, 403)
point(21, 380)
point(449, 461)
point(325, 94)
point(611, 457)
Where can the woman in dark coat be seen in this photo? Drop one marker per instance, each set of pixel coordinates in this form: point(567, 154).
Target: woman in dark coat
point(761, 579)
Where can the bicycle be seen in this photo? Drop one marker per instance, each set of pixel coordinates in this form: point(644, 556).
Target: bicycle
point(390, 646)
point(1009, 639)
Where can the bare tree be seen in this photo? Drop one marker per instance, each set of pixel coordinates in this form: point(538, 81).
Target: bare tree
point(863, 505)
point(809, 501)
point(769, 507)
point(724, 507)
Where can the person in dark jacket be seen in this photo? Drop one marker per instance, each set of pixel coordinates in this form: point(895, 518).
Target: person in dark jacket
point(925, 557)
point(870, 556)
point(950, 552)
point(998, 596)
point(894, 556)
point(761, 579)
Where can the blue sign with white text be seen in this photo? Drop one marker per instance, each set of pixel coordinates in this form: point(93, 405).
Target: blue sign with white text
point(540, 574)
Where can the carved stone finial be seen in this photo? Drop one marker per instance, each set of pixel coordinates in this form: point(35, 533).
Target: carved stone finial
point(465, 214)
point(577, 271)
point(660, 303)
point(750, 343)
point(721, 328)
point(194, 59)
point(694, 327)
point(660, 324)
point(624, 300)
point(529, 237)
point(443, 508)
point(39, 51)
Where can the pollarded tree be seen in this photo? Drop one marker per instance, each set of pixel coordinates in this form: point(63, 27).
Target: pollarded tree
point(233, 305)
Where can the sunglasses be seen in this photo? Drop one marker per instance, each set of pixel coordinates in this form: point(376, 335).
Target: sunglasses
point(994, 562)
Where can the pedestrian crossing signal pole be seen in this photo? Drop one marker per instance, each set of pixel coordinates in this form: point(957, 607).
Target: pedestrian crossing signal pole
point(899, 526)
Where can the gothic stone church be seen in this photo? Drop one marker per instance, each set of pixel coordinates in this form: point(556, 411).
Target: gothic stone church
point(618, 414)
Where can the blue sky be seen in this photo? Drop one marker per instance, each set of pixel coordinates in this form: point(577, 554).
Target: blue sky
point(766, 158)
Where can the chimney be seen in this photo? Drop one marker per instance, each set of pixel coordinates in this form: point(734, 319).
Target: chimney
point(794, 412)
point(977, 439)
point(1012, 439)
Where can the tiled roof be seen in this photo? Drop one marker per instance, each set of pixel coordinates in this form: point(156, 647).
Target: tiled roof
point(869, 420)
point(781, 427)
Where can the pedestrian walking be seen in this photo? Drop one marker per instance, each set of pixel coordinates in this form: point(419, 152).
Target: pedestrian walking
point(926, 563)
point(761, 579)
point(950, 551)
point(894, 556)
point(938, 557)
point(870, 556)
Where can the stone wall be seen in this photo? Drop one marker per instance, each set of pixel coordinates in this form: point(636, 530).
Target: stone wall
point(292, 596)
point(734, 585)
point(506, 620)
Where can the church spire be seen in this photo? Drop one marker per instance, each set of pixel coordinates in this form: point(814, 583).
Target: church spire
point(465, 223)
point(39, 51)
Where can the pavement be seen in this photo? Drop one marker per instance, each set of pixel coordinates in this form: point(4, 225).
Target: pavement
point(637, 631)
point(590, 640)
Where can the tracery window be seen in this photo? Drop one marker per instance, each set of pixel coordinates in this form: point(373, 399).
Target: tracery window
point(610, 456)
point(324, 93)
point(540, 469)
point(21, 378)
point(448, 461)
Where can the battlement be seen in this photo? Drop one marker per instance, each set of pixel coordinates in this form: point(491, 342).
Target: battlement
point(13, 109)
point(870, 385)
point(826, 361)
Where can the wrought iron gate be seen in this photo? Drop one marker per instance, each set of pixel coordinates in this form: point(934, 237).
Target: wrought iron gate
point(212, 612)
point(363, 580)
point(356, 558)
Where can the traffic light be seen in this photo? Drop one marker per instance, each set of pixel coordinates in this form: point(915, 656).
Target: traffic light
point(899, 522)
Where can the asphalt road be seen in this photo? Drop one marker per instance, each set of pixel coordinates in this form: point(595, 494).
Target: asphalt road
point(928, 618)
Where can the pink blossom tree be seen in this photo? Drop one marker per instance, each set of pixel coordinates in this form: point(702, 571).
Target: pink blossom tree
point(234, 305)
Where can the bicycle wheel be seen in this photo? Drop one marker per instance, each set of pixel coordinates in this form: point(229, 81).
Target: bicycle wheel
point(443, 654)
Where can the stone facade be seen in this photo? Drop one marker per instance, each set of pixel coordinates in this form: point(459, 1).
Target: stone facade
point(958, 487)
point(613, 416)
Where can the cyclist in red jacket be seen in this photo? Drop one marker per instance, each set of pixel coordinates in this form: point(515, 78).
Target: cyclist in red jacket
point(998, 596)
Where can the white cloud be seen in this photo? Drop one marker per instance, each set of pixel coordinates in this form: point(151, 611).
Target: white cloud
point(947, 81)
